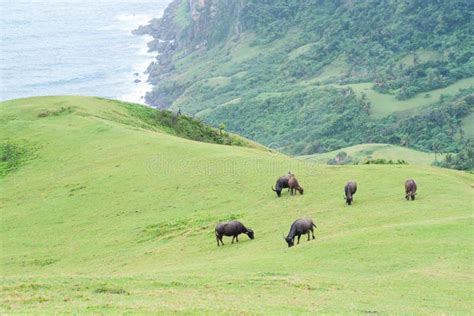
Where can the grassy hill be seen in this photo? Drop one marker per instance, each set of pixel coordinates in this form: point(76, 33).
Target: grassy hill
point(383, 105)
point(315, 76)
point(366, 152)
point(104, 214)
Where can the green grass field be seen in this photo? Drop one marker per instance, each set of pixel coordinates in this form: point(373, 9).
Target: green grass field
point(104, 216)
point(365, 152)
point(386, 104)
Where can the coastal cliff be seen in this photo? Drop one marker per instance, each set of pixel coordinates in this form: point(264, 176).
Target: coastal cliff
point(187, 26)
point(319, 75)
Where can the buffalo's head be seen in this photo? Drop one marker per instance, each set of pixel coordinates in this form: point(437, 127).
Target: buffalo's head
point(301, 190)
point(349, 200)
point(289, 241)
point(250, 233)
point(410, 195)
point(277, 191)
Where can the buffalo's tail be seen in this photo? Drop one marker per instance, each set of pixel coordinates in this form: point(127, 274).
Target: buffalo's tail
point(314, 225)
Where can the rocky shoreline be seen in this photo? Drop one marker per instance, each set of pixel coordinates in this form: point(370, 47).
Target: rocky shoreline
point(187, 26)
point(163, 32)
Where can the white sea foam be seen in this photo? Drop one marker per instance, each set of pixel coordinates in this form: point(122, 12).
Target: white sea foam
point(139, 89)
point(128, 22)
point(137, 95)
point(133, 21)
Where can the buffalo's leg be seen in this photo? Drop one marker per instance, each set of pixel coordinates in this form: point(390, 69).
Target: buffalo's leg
point(299, 236)
point(237, 238)
point(233, 237)
point(219, 238)
point(309, 234)
point(412, 197)
point(312, 232)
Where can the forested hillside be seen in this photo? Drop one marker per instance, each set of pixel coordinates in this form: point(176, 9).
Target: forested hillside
point(314, 76)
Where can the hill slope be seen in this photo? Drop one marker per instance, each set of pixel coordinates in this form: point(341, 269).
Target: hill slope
point(107, 216)
point(315, 76)
point(366, 152)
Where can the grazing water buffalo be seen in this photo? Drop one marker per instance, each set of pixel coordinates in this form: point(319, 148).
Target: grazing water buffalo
point(298, 228)
point(350, 189)
point(234, 229)
point(410, 189)
point(282, 183)
point(294, 185)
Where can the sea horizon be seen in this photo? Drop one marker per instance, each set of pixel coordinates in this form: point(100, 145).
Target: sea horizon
point(76, 48)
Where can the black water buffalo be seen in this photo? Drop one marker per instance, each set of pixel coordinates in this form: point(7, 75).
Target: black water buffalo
point(234, 229)
point(299, 227)
point(294, 185)
point(350, 189)
point(282, 183)
point(410, 189)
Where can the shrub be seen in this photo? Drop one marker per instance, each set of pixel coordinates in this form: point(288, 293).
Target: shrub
point(382, 161)
point(464, 160)
point(182, 125)
point(12, 155)
point(61, 111)
point(342, 158)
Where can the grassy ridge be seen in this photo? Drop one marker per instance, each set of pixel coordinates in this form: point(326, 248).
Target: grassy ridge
point(383, 105)
point(365, 152)
point(113, 217)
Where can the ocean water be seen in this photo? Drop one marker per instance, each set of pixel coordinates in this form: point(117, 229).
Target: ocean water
point(75, 47)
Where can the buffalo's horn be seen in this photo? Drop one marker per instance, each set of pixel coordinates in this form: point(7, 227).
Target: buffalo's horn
point(273, 189)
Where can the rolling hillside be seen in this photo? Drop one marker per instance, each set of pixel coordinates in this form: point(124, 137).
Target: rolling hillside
point(104, 213)
point(315, 76)
point(366, 152)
